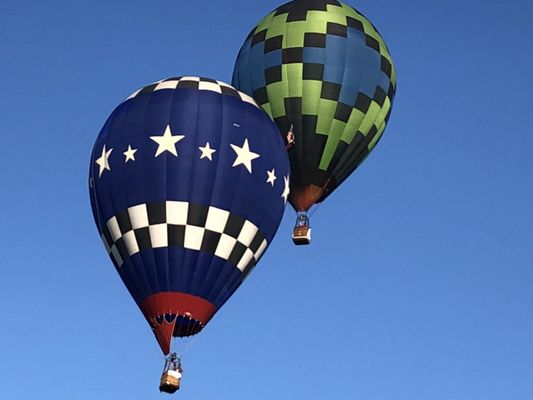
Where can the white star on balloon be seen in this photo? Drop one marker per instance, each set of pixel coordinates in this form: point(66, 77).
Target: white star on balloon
point(286, 191)
point(244, 155)
point(271, 177)
point(207, 152)
point(103, 161)
point(167, 142)
point(130, 154)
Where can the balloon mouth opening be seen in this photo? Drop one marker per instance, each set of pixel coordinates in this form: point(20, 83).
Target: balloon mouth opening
point(302, 198)
point(184, 324)
point(175, 314)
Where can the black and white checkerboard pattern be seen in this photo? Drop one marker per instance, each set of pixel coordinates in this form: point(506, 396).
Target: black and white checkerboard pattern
point(186, 225)
point(198, 83)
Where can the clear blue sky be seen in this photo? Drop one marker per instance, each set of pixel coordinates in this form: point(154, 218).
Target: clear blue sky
point(419, 283)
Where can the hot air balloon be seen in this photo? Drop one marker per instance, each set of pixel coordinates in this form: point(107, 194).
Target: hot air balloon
point(188, 179)
point(323, 73)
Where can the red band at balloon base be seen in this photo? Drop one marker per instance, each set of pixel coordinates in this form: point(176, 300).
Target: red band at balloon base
point(162, 310)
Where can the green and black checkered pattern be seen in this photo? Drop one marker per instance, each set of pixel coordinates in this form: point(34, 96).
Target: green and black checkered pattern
point(323, 68)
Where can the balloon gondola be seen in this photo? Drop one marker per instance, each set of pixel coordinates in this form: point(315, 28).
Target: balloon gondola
point(171, 377)
point(301, 233)
point(322, 71)
point(188, 184)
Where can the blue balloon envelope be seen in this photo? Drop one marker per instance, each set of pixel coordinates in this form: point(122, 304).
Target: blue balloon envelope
point(188, 181)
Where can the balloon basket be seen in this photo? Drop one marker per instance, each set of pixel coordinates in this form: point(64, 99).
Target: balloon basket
point(171, 377)
point(301, 234)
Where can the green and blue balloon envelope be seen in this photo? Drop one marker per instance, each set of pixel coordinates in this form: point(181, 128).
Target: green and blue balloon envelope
point(320, 67)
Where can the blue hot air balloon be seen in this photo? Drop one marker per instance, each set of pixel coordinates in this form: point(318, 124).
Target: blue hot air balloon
point(188, 183)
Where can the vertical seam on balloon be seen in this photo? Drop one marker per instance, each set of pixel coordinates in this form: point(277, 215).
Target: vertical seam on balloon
point(342, 81)
point(260, 220)
point(204, 288)
point(290, 118)
point(332, 119)
point(152, 255)
point(138, 263)
point(173, 275)
point(345, 157)
point(343, 164)
point(169, 273)
point(231, 208)
point(192, 257)
point(137, 279)
point(221, 100)
point(267, 212)
point(344, 160)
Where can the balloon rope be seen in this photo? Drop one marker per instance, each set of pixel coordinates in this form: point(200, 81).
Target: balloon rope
point(180, 323)
point(188, 343)
point(315, 207)
point(177, 328)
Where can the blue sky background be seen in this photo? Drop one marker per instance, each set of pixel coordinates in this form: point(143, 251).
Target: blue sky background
point(419, 282)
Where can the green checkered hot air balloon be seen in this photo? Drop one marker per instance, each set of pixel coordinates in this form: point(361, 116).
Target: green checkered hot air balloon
point(324, 74)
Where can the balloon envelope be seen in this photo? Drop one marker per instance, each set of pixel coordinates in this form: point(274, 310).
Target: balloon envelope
point(188, 184)
point(322, 68)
